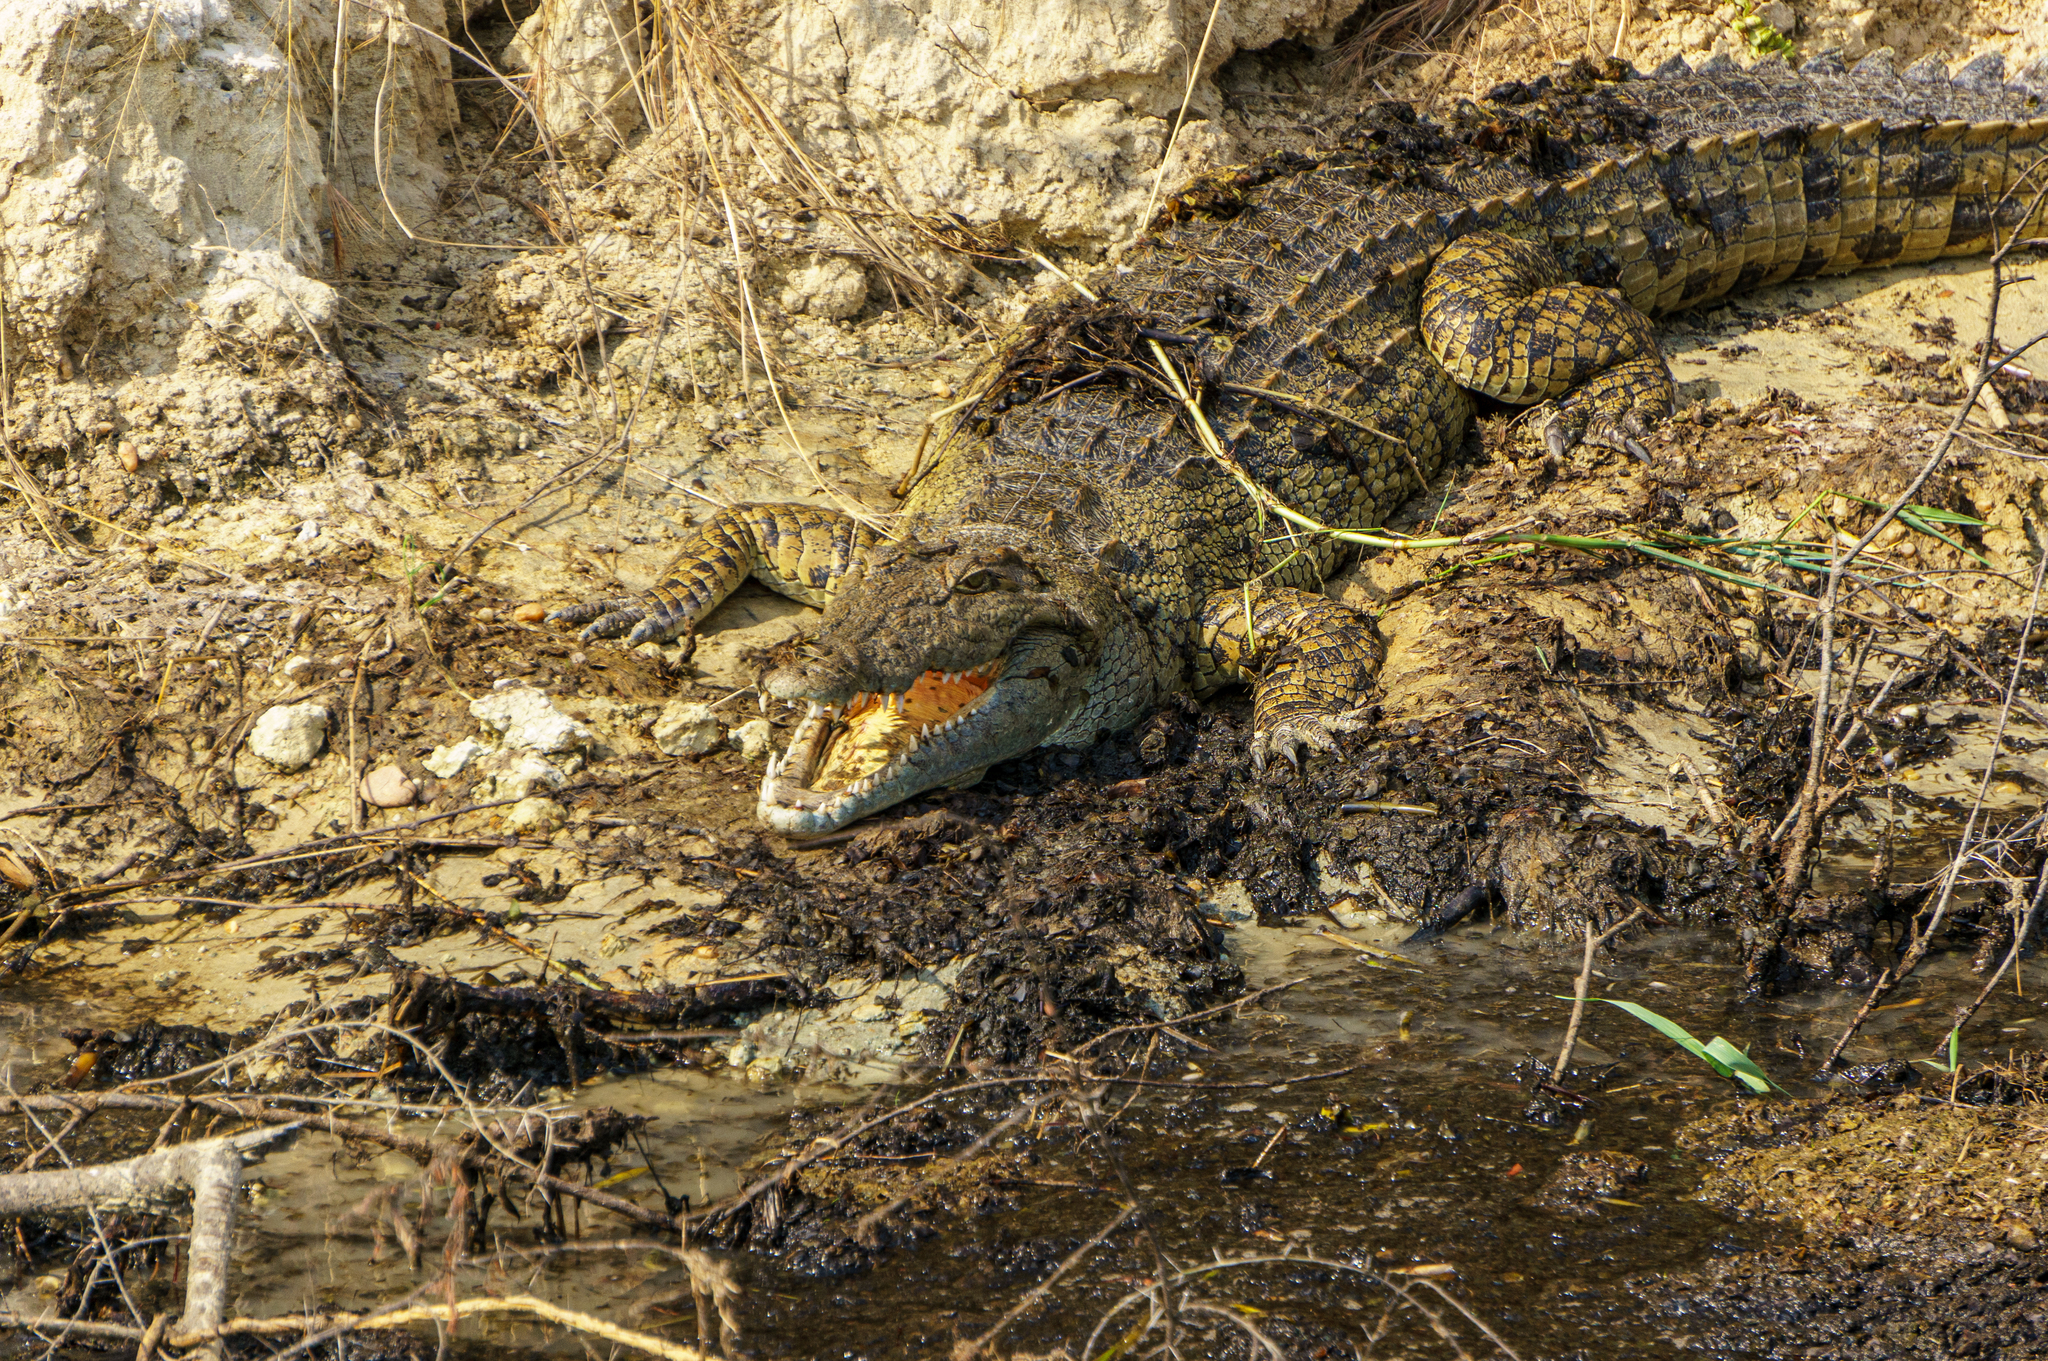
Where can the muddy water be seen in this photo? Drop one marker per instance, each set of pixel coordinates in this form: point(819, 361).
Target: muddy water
point(1447, 1168)
point(1425, 1152)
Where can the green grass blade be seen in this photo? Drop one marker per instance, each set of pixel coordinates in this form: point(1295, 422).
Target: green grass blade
point(1670, 1030)
point(1933, 513)
point(1743, 1066)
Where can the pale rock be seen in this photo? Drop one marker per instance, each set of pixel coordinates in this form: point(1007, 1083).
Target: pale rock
point(1778, 15)
point(290, 736)
point(448, 762)
point(685, 729)
point(1050, 117)
point(1864, 27)
point(767, 1068)
point(516, 773)
point(389, 787)
point(536, 815)
point(829, 286)
point(298, 670)
point(582, 55)
point(525, 718)
point(756, 738)
point(259, 295)
point(163, 178)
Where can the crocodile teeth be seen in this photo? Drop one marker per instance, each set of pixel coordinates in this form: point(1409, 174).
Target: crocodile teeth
point(817, 710)
point(858, 700)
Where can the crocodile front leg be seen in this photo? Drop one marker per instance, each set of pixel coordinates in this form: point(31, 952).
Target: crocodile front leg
point(1312, 660)
point(801, 551)
point(1500, 316)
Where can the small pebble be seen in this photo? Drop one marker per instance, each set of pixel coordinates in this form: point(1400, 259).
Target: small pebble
point(536, 815)
point(297, 669)
point(756, 739)
point(129, 458)
point(529, 613)
point(486, 615)
point(290, 736)
point(389, 787)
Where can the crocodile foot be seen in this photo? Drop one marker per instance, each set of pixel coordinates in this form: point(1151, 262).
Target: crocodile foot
point(1616, 409)
point(1562, 433)
point(614, 615)
point(1295, 735)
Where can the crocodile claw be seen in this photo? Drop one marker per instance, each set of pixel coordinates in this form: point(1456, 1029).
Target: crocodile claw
point(615, 615)
point(1567, 430)
point(1556, 440)
point(1294, 736)
point(606, 618)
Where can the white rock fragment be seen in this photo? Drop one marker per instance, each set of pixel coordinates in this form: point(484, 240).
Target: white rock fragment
point(298, 669)
point(517, 775)
point(525, 718)
point(389, 787)
point(448, 762)
point(687, 729)
point(536, 815)
point(756, 739)
point(290, 736)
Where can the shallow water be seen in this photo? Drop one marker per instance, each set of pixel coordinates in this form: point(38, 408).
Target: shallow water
point(1443, 1165)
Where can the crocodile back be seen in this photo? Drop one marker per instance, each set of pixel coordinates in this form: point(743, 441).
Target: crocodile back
point(1289, 293)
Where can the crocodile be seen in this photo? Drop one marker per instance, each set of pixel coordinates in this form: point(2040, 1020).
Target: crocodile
point(1132, 508)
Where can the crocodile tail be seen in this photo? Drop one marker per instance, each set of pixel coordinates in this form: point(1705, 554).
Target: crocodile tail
point(1726, 178)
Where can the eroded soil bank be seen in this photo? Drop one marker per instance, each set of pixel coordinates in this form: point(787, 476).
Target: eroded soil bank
point(306, 803)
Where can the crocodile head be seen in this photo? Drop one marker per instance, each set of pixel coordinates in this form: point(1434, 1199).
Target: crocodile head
point(934, 662)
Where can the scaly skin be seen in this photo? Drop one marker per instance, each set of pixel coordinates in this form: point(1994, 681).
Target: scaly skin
point(1079, 554)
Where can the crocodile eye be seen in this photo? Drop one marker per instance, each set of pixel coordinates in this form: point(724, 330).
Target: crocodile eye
point(976, 581)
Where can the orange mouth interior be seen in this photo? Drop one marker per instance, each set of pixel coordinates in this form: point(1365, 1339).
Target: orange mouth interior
point(876, 729)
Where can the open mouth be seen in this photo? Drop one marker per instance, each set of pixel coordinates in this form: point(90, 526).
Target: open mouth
point(843, 763)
